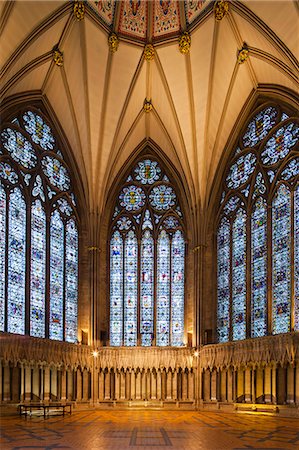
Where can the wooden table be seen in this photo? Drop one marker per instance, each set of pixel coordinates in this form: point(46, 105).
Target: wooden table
point(26, 407)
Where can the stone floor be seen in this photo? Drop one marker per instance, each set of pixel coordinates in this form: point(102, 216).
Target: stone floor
point(148, 430)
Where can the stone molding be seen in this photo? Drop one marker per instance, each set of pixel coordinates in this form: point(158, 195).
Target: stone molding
point(281, 349)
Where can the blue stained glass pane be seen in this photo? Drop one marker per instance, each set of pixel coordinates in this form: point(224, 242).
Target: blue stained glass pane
point(56, 173)
point(38, 270)
point(259, 126)
point(171, 223)
point(296, 257)
point(16, 263)
point(116, 289)
point(231, 204)
point(163, 288)
point(124, 223)
point(241, 170)
point(19, 148)
point(147, 289)
point(147, 221)
point(7, 173)
point(280, 144)
point(2, 255)
point(291, 170)
point(162, 197)
point(71, 281)
point(40, 132)
point(239, 276)
point(223, 280)
point(259, 269)
point(56, 276)
point(259, 186)
point(281, 263)
point(130, 290)
point(38, 188)
point(132, 198)
point(177, 289)
point(65, 207)
point(147, 171)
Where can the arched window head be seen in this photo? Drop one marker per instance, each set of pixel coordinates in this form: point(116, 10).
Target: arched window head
point(38, 232)
point(147, 260)
point(258, 228)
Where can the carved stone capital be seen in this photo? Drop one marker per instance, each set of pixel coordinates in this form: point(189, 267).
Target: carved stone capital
point(149, 52)
point(243, 54)
point(221, 8)
point(185, 42)
point(79, 9)
point(58, 57)
point(147, 105)
point(113, 42)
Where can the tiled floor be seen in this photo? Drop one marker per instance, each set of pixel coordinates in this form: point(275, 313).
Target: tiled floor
point(149, 430)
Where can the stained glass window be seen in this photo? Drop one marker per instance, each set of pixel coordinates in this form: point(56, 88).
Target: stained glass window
point(147, 261)
point(16, 262)
point(2, 254)
point(281, 265)
point(130, 290)
point(239, 276)
point(38, 270)
point(223, 279)
point(296, 258)
point(257, 234)
point(38, 232)
point(259, 269)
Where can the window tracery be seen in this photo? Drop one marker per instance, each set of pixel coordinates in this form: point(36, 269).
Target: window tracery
point(147, 259)
point(39, 232)
point(257, 234)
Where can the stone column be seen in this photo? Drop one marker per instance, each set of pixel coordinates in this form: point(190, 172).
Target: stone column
point(22, 381)
point(184, 385)
point(267, 385)
point(54, 384)
point(213, 385)
point(85, 385)
point(79, 385)
point(138, 385)
point(107, 384)
point(297, 385)
point(223, 394)
point(159, 396)
point(240, 385)
point(122, 385)
point(70, 385)
point(253, 384)
point(290, 385)
point(133, 385)
point(27, 383)
point(15, 388)
point(144, 393)
point(259, 385)
point(101, 385)
point(6, 384)
point(230, 385)
point(248, 396)
point(153, 385)
point(169, 385)
point(175, 385)
point(63, 384)
point(191, 385)
point(207, 385)
point(274, 393)
point(35, 384)
point(128, 384)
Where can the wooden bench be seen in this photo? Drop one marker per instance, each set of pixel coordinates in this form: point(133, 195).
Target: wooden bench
point(27, 407)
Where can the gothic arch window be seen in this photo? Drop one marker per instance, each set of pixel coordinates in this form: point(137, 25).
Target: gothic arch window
point(258, 230)
point(147, 260)
point(38, 232)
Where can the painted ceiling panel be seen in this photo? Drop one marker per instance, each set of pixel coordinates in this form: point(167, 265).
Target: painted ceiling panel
point(24, 17)
point(31, 81)
point(96, 50)
point(123, 66)
point(56, 95)
point(282, 17)
point(41, 45)
point(174, 65)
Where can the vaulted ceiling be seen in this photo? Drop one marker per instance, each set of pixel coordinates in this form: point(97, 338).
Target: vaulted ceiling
point(98, 95)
